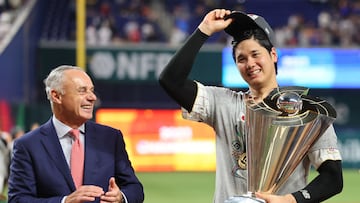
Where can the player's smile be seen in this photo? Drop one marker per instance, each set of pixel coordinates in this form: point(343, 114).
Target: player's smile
point(253, 72)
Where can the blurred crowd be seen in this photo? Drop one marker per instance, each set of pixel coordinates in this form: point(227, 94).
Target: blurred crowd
point(9, 9)
point(171, 21)
point(337, 26)
point(135, 21)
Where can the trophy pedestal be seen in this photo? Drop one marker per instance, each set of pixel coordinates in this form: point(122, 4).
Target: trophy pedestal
point(247, 198)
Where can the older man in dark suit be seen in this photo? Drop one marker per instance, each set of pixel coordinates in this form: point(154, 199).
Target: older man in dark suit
point(45, 167)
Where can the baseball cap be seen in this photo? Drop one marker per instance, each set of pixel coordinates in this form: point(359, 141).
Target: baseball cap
point(243, 22)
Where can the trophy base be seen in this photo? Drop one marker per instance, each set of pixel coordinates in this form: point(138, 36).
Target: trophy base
point(247, 198)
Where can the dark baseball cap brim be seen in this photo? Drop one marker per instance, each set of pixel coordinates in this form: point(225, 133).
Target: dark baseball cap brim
point(242, 22)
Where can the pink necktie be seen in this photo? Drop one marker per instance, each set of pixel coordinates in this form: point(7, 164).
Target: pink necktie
point(77, 159)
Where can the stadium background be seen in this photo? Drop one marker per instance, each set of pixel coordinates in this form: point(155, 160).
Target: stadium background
point(41, 35)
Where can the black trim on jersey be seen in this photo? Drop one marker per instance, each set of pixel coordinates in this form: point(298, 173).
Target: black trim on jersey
point(329, 182)
point(174, 77)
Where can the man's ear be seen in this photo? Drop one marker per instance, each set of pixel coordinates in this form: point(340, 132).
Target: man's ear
point(55, 96)
point(274, 55)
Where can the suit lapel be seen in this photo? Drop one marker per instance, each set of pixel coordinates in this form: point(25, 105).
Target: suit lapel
point(52, 145)
point(91, 157)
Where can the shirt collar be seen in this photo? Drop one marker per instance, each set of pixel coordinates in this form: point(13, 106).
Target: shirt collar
point(62, 129)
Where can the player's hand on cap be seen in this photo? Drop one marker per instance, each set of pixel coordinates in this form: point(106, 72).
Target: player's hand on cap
point(214, 21)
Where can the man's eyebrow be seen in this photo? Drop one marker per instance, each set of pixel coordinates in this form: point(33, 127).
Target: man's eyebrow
point(85, 88)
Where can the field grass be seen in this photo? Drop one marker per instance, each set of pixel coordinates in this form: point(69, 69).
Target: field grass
point(198, 187)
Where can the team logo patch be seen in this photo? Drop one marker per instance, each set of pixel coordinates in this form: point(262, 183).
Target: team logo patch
point(242, 161)
point(305, 194)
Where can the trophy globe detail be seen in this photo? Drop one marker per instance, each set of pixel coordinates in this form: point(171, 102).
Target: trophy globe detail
point(289, 103)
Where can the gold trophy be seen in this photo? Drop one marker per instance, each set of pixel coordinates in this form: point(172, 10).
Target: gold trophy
point(279, 132)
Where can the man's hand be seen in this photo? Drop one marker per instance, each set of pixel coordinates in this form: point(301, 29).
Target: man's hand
point(214, 21)
point(269, 198)
point(85, 193)
point(113, 195)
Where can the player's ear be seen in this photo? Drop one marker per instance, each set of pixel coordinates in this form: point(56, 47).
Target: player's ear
point(274, 55)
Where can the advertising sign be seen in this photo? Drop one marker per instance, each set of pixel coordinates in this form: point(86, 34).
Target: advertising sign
point(161, 140)
point(309, 67)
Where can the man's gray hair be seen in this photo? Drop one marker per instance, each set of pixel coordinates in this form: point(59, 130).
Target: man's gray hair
point(54, 81)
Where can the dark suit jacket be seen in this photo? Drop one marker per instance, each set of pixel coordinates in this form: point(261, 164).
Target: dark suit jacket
point(39, 172)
